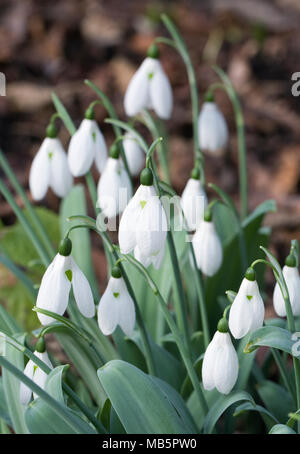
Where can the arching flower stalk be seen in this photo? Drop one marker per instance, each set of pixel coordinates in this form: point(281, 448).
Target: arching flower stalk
point(62, 274)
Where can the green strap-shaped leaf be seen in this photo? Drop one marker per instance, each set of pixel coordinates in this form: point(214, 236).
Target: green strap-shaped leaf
point(271, 336)
point(276, 399)
point(140, 403)
point(12, 387)
point(281, 429)
point(221, 405)
point(43, 419)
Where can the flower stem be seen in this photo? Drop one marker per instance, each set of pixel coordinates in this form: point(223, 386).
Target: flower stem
point(85, 410)
point(175, 331)
point(31, 211)
point(181, 48)
point(242, 149)
point(112, 250)
point(289, 313)
point(25, 224)
point(112, 113)
point(162, 149)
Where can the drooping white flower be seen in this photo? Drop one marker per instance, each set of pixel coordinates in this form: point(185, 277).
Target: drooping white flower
point(86, 146)
point(292, 279)
point(207, 247)
point(116, 306)
point(143, 225)
point(149, 88)
point(193, 201)
point(134, 154)
point(50, 169)
point(61, 274)
point(212, 128)
point(114, 187)
point(220, 364)
point(36, 374)
point(247, 310)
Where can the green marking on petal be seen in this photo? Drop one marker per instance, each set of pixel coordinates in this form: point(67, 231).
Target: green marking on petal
point(143, 203)
point(94, 136)
point(50, 154)
point(34, 368)
point(119, 172)
point(116, 294)
point(249, 297)
point(150, 76)
point(69, 275)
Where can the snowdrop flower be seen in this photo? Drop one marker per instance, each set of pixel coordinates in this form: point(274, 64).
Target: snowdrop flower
point(86, 146)
point(50, 168)
point(220, 364)
point(291, 276)
point(143, 225)
point(35, 373)
point(56, 284)
point(114, 187)
point(247, 310)
point(207, 246)
point(212, 127)
point(149, 88)
point(134, 154)
point(193, 201)
point(116, 306)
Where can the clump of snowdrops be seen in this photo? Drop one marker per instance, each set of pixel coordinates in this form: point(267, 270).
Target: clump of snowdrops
point(170, 346)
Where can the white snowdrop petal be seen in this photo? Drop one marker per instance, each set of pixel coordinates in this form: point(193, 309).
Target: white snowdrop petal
point(208, 248)
point(40, 377)
point(82, 291)
point(25, 391)
point(193, 202)
point(145, 261)
point(54, 291)
point(244, 315)
point(137, 93)
point(161, 93)
point(114, 189)
point(258, 309)
point(208, 364)
point(129, 220)
point(126, 309)
point(81, 151)
point(60, 176)
point(212, 128)
point(39, 176)
point(151, 229)
point(108, 308)
point(278, 302)
point(134, 155)
point(226, 366)
point(158, 258)
point(100, 147)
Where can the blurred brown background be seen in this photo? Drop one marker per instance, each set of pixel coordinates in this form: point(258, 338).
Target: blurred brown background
point(55, 45)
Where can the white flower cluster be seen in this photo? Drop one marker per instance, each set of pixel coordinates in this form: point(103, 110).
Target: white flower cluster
point(143, 228)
